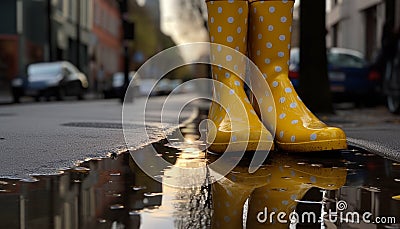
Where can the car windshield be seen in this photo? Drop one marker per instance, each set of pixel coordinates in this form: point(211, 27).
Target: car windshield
point(345, 60)
point(44, 69)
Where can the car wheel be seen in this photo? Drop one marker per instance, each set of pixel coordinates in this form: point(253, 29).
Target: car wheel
point(393, 103)
point(60, 94)
point(81, 94)
point(16, 98)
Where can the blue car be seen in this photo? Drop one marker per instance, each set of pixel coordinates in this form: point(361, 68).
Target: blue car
point(351, 77)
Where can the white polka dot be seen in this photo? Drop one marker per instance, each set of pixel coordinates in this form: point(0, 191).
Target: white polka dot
point(282, 99)
point(255, 10)
point(288, 90)
point(231, 92)
point(235, 67)
point(227, 219)
point(281, 134)
point(270, 28)
point(230, 19)
point(239, 30)
point(261, 18)
point(282, 37)
point(219, 10)
point(283, 19)
point(227, 75)
point(282, 116)
point(230, 1)
point(294, 122)
point(293, 138)
point(219, 48)
point(228, 58)
point(267, 61)
point(240, 10)
point(212, 19)
point(278, 69)
point(270, 108)
point(258, 52)
point(271, 9)
point(265, 75)
point(281, 54)
point(219, 29)
point(290, 29)
point(275, 84)
point(293, 197)
point(229, 39)
point(313, 137)
point(293, 105)
point(259, 36)
point(285, 202)
point(212, 38)
point(269, 45)
point(313, 179)
point(227, 204)
point(237, 83)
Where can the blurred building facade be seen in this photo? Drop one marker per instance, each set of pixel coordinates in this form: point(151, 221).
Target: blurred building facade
point(49, 30)
point(358, 24)
point(106, 41)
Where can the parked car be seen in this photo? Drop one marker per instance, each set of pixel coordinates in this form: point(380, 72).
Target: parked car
point(352, 78)
point(114, 87)
point(47, 79)
point(165, 86)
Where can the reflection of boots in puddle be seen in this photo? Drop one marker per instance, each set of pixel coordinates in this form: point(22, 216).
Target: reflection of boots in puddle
point(231, 192)
point(273, 189)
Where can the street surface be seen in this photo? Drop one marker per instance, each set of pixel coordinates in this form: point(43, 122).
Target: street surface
point(41, 138)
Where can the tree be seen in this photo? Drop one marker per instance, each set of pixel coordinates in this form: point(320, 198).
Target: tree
point(314, 82)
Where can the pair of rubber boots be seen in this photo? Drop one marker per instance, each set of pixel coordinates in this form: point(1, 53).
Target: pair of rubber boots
point(261, 31)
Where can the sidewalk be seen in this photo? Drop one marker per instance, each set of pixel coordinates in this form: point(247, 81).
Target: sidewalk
point(373, 129)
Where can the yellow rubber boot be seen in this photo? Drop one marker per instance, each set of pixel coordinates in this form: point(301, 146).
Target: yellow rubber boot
point(297, 129)
point(289, 182)
point(236, 123)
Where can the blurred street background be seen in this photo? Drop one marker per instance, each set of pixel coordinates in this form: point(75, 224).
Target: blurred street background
point(106, 41)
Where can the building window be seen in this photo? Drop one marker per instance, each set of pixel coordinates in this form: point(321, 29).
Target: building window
point(335, 35)
point(70, 9)
point(60, 5)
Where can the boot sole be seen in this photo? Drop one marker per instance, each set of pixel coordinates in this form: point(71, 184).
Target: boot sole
point(220, 148)
point(325, 145)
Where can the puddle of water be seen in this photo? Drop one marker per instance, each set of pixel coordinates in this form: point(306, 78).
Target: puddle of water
point(116, 193)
